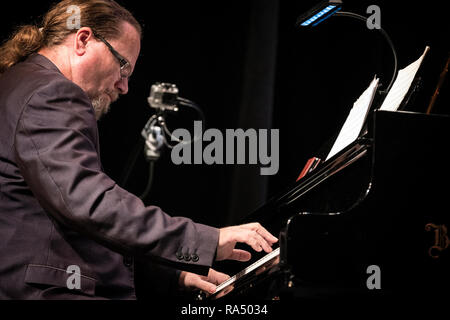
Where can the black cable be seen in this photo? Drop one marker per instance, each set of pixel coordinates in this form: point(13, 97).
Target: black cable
point(190, 104)
point(146, 192)
point(132, 161)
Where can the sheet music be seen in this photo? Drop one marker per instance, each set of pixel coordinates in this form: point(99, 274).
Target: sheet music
point(402, 84)
point(355, 120)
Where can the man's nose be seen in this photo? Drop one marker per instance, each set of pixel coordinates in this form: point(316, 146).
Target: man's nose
point(122, 85)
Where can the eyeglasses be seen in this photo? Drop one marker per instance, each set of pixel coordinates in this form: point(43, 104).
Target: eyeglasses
point(125, 66)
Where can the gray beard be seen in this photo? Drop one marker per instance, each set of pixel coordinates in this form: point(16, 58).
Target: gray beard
point(101, 106)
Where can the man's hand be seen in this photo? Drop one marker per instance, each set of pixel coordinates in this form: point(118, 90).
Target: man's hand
point(252, 234)
point(207, 284)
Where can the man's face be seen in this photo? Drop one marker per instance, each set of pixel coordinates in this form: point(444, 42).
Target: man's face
point(102, 78)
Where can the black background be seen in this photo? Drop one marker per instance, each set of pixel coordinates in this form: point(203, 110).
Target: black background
point(204, 47)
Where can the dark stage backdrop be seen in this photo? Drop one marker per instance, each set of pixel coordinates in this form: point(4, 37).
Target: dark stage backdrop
point(247, 66)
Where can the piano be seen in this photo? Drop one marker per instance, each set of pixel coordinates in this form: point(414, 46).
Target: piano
point(370, 222)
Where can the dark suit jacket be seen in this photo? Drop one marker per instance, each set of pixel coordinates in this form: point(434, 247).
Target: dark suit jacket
point(58, 208)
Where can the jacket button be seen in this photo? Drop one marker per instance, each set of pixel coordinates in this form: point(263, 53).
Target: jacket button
point(195, 257)
point(187, 257)
point(179, 255)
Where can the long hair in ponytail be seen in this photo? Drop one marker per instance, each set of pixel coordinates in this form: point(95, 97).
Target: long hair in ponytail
point(103, 16)
point(25, 41)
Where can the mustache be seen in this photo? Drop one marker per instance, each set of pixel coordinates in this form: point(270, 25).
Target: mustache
point(113, 94)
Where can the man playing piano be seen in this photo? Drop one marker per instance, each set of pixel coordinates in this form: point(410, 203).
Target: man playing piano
point(67, 231)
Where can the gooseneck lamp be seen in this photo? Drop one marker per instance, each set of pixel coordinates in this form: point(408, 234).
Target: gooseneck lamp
point(328, 8)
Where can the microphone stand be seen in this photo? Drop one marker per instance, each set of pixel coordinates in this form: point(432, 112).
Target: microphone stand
point(154, 141)
point(156, 135)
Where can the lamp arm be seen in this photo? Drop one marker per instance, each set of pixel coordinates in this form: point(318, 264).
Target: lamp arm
point(386, 36)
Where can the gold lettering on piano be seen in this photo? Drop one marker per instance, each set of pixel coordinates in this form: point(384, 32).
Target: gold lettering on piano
point(441, 240)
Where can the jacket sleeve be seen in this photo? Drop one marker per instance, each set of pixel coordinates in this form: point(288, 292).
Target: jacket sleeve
point(56, 148)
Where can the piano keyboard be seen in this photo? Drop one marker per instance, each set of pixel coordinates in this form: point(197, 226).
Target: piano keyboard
point(261, 262)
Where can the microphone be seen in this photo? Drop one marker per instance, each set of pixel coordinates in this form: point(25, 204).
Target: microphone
point(164, 96)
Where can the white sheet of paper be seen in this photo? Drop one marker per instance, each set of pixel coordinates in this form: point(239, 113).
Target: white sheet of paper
point(402, 84)
point(355, 120)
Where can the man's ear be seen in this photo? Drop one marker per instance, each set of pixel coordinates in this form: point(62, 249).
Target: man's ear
point(82, 37)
